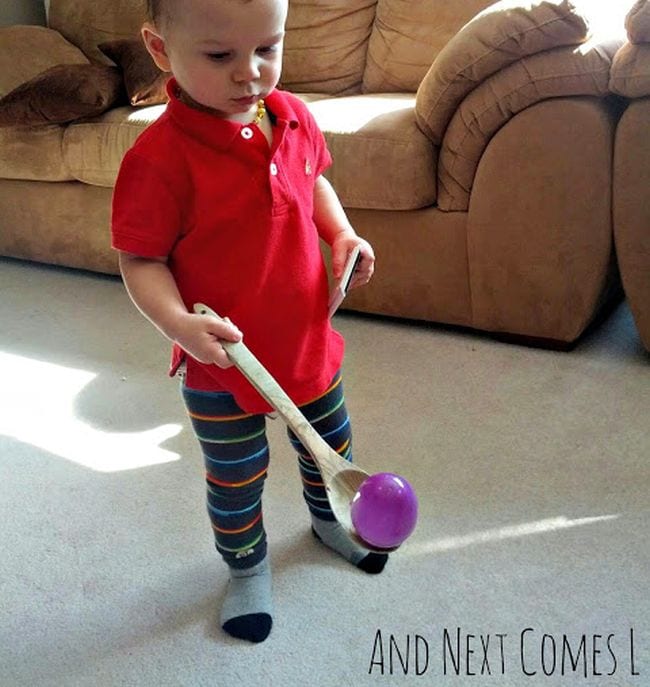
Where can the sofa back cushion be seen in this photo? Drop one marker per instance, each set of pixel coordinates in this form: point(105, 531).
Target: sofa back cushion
point(39, 49)
point(86, 23)
point(326, 44)
point(406, 38)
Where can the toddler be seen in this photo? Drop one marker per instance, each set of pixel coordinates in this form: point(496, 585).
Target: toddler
point(222, 201)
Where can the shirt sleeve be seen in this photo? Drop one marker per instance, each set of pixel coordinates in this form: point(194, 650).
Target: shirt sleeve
point(322, 155)
point(146, 215)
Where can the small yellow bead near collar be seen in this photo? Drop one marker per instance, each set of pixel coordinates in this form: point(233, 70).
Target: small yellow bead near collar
point(261, 111)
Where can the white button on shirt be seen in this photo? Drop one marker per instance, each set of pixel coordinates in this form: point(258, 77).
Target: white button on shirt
point(247, 133)
point(274, 169)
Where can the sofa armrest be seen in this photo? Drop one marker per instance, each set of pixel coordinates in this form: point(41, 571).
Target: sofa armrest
point(637, 22)
point(500, 35)
point(630, 75)
point(563, 72)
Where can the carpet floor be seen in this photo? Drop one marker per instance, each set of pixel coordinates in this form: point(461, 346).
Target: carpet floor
point(530, 564)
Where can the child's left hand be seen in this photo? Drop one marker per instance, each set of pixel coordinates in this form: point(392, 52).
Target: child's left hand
point(342, 246)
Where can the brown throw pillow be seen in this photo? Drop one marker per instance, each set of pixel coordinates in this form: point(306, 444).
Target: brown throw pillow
point(144, 82)
point(62, 94)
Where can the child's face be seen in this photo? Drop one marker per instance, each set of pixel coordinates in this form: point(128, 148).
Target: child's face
point(225, 54)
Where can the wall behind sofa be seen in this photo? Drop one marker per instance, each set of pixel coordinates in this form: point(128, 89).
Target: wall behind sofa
point(22, 12)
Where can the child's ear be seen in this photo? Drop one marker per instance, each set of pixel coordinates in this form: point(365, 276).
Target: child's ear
point(156, 46)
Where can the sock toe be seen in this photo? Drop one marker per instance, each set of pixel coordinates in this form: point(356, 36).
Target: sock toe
point(247, 607)
point(373, 563)
point(254, 627)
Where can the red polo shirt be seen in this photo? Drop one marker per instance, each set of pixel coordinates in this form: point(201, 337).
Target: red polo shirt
point(235, 219)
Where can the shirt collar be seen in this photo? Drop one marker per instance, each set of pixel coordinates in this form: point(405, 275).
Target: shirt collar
point(222, 133)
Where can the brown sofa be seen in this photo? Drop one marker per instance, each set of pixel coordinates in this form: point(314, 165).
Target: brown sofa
point(630, 77)
point(477, 160)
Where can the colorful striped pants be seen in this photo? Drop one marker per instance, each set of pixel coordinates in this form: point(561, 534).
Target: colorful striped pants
point(236, 454)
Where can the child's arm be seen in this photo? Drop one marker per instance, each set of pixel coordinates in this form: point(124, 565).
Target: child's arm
point(335, 229)
point(152, 288)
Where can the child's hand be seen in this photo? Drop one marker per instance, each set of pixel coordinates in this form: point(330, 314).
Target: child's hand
point(199, 335)
point(342, 247)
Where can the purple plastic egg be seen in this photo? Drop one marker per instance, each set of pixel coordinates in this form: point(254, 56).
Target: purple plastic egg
point(384, 510)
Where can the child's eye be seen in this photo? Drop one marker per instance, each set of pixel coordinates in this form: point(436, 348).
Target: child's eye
point(218, 56)
point(267, 49)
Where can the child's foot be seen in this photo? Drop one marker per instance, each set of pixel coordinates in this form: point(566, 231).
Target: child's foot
point(246, 611)
point(332, 534)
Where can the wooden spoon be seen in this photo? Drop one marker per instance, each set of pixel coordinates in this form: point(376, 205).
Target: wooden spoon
point(341, 478)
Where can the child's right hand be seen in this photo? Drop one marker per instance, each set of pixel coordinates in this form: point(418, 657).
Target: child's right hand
point(199, 335)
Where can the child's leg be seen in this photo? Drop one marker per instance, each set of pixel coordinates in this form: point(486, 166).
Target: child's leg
point(236, 454)
point(329, 417)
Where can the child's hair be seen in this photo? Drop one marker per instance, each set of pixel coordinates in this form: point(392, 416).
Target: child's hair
point(160, 9)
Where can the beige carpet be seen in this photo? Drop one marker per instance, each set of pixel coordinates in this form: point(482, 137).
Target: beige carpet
point(532, 467)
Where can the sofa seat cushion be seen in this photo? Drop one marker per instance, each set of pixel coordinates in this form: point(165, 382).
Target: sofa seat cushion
point(93, 150)
point(382, 161)
point(33, 153)
point(381, 158)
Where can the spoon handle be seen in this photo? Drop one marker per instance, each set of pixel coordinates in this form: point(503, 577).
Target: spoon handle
point(275, 395)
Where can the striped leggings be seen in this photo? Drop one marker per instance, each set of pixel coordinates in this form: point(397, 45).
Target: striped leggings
point(236, 455)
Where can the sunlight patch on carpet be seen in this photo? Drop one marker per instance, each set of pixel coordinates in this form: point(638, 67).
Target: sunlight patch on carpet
point(37, 400)
point(501, 533)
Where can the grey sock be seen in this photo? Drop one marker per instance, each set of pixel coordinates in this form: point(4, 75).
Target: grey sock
point(247, 608)
point(333, 535)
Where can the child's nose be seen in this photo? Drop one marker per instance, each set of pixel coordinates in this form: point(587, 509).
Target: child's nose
point(246, 70)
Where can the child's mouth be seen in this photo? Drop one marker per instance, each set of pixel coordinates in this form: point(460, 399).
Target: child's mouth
point(248, 100)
